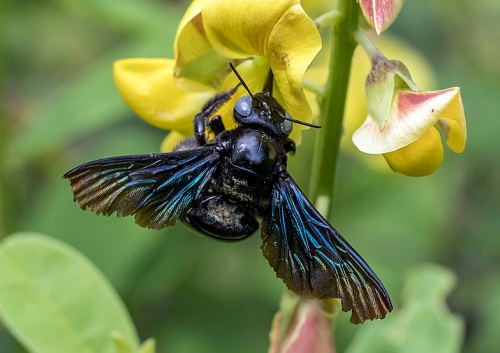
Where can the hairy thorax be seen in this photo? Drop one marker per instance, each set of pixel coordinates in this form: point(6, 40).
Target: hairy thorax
point(250, 166)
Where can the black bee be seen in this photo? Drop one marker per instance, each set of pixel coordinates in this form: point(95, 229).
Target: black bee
point(218, 187)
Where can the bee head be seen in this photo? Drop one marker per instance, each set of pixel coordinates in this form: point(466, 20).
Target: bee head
point(263, 110)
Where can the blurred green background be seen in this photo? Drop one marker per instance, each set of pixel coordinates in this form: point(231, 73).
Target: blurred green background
point(60, 108)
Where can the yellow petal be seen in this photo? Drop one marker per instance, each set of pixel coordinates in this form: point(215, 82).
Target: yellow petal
point(234, 33)
point(356, 112)
point(412, 115)
point(356, 104)
point(452, 121)
point(197, 64)
point(254, 73)
point(420, 158)
point(290, 55)
point(239, 29)
point(148, 87)
point(191, 40)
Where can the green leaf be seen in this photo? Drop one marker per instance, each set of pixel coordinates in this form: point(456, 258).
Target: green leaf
point(424, 324)
point(120, 343)
point(149, 346)
point(53, 300)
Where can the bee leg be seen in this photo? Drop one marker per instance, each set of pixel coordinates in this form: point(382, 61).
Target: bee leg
point(199, 129)
point(216, 125)
point(201, 120)
point(217, 218)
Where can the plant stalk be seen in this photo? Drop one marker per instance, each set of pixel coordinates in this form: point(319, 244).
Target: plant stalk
point(321, 188)
point(345, 20)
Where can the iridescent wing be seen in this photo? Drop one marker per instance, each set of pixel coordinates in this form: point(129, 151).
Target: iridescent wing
point(313, 259)
point(156, 188)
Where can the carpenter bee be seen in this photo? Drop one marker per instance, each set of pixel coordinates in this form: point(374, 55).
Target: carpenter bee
point(219, 186)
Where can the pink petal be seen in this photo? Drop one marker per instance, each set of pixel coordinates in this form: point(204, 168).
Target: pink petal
point(310, 331)
point(412, 115)
point(380, 14)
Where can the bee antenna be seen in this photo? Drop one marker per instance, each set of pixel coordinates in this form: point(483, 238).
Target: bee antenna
point(241, 79)
point(302, 123)
point(268, 86)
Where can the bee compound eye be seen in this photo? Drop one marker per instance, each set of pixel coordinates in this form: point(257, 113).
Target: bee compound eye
point(243, 107)
point(286, 126)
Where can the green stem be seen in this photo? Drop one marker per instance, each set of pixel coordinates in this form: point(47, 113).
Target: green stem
point(327, 19)
point(328, 141)
point(344, 19)
point(366, 43)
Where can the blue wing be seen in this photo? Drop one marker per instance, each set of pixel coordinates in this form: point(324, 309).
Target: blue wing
point(157, 188)
point(313, 259)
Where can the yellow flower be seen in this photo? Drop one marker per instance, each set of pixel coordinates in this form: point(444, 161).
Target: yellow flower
point(401, 119)
point(148, 87)
point(355, 109)
point(252, 34)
